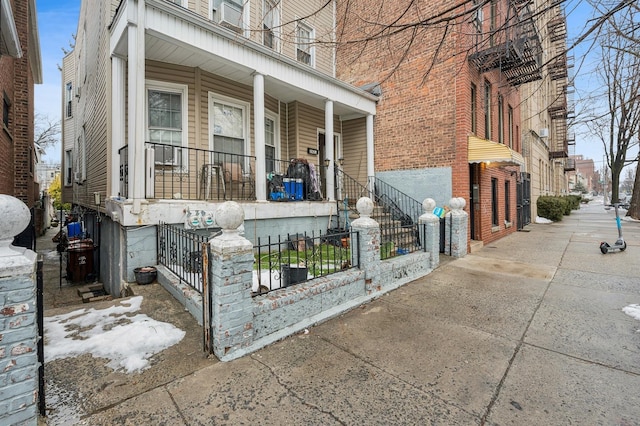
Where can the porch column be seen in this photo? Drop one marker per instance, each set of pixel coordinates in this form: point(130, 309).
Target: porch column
point(328, 147)
point(118, 120)
point(258, 126)
point(370, 154)
point(135, 101)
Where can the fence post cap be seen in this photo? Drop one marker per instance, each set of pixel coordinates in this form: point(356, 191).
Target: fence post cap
point(457, 203)
point(428, 205)
point(15, 218)
point(365, 207)
point(229, 215)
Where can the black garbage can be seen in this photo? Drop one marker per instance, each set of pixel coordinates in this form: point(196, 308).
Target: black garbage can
point(79, 260)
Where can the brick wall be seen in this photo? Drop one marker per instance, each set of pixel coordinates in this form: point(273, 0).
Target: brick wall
point(17, 169)
point(424, 116)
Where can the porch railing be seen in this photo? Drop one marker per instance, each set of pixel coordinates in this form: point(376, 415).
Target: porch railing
point(287, 260)
point(192, 173)
point(395, 211)
point(180, 251)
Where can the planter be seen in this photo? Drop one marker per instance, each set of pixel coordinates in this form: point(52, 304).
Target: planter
point(290, 275)
point(145, 275)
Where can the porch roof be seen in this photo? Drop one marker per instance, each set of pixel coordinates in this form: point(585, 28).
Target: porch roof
point(485, 151)
point(176, 35)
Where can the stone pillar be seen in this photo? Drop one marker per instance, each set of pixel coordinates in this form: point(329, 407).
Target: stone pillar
point(18, 322)
point(430, 231)
point(456, 228)
point(368, 250)
point(230, 277)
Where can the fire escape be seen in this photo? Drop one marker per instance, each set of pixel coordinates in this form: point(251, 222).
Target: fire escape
point(514, 48)
point(561, 108)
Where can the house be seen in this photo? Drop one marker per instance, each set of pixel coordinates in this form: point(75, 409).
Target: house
point(172, 107)
point(20, 69)
point(449, 122)
point(548, 143)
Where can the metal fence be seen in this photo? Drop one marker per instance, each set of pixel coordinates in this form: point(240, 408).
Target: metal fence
point(180, 251)
point(287, 260)
point(399, 240)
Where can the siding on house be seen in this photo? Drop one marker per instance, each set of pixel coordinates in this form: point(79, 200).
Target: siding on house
point(354, 149)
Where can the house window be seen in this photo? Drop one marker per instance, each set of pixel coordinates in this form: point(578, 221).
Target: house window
point(304, 40)
point(68, 98)
point(487, 109)
point(6, 107)
point(271, 21)
point(228, 121)
point(68, 167)
point(477, 15)
point(474, 108)
point(500, 119)
point(166, 119)
point(510, 126)
point(507, 201)
point(270, 148)
point(494, 202)
point(81, 151)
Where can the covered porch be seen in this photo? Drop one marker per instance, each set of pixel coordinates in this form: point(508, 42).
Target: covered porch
point(199, 113)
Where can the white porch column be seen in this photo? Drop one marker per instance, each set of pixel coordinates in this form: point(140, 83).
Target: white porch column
point(258, 126)
point(370, 153)
point(136, 100)
point(328, 148)
point(118, 120)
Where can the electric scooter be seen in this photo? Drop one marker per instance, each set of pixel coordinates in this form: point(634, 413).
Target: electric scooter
point(620, 244)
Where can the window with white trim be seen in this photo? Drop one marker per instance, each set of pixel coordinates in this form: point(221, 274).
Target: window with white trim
point(304, 44)
point(270, 24)
point(229, 126)
point(166, 120)
point(271, 145)
point(68, 167)
point(68, 98)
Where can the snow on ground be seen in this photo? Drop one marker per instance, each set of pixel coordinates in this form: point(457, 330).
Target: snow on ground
point(632, 311)
point(127, 338)
point(543, 220)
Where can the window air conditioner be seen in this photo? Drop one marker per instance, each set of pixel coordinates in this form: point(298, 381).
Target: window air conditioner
point(78, 91)
point(230, 15)
point(77, 176)
point(544, 133)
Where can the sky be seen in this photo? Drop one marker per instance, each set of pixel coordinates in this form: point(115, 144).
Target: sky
point(57, 22)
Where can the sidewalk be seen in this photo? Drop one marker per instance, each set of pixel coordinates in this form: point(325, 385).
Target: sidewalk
point(528, 330)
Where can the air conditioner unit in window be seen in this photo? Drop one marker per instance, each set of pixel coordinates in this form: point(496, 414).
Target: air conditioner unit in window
point(544, 133)
point(229, 15)
point(77, 177)
point(78, 91)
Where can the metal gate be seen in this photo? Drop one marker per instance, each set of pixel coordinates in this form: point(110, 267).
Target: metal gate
point(523, 194)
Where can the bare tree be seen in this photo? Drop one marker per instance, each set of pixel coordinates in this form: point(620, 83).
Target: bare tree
point(47, 131)
point(618, 123)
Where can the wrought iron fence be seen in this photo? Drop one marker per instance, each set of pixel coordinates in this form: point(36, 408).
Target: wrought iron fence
point(180, 251)
point(287, 260)
point(401, 239)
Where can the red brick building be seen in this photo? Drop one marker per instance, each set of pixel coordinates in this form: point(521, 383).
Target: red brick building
point(20, 69)
point(447, 124)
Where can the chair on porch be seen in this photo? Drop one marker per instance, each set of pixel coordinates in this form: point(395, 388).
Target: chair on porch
point(212, 183)
point(238, 181)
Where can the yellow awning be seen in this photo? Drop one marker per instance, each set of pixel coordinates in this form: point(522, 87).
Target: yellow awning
point(486, 151)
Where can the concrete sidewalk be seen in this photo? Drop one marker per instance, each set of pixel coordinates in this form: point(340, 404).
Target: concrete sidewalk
point(529, 330)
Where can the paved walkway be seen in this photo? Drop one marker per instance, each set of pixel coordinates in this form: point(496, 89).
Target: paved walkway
point(529, 330)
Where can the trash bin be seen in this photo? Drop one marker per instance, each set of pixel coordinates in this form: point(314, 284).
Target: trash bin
point(79, 260)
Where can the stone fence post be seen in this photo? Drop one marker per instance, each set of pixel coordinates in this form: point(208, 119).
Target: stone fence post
point(231, 277)
point(18, 322)
point(430, 231)
point(457, 223)
point(369, 248)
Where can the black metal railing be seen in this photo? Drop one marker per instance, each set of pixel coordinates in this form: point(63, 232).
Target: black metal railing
point(395, 211)
point(287, 260)
point(180, 251)
point(192, 173)
point(124, 171)
point(399, 240)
